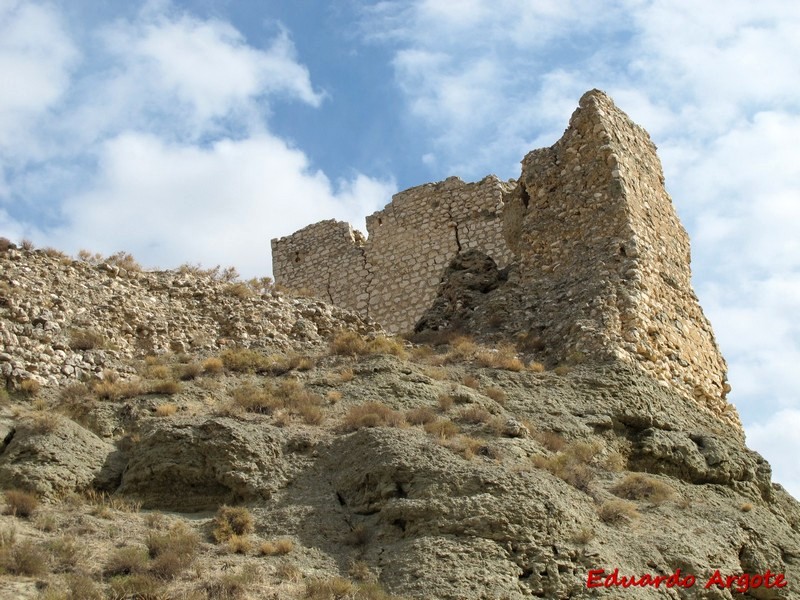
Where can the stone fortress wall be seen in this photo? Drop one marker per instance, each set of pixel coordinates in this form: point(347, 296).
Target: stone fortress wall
point(392, 276)
point(599, 260)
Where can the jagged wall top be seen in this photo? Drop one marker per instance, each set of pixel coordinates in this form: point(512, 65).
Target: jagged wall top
point(598, 260)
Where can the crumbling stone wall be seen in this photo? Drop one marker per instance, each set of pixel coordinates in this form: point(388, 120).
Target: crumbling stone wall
point(393, 275)
point(599, 262)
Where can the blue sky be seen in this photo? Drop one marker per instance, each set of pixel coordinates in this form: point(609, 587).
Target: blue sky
point(195, 131)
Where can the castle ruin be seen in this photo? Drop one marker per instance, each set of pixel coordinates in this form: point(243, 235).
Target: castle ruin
point(594, 259)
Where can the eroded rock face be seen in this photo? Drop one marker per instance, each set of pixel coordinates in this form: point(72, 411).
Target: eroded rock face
point(199, 464)
point(55, 457)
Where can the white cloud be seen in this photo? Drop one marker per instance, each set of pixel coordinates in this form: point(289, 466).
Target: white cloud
point(161, 146)
point(175, 203)
point(36, 56)
point(776, 439)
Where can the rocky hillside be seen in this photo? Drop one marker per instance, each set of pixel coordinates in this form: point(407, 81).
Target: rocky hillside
point(176, 435)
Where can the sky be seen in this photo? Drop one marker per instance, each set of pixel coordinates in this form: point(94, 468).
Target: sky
point(197, 130)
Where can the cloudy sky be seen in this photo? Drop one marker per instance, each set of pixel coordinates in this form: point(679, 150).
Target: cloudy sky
point(195, 131)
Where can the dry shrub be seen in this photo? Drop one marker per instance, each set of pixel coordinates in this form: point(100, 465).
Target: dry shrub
point(277, 548)
point(286, 571)
point(475, 415)
point(127, 561)
point(20, 503)
point(239, 544)
point(504, 357)
point(471, 382)
point(497, 394)
point(255, 400)
point(420, 415)
point(359, 535)
point(334, 396)
point(300, 362)
point(82, 587)
point(372, 414)
point(166, 410)
point(584, 536)
point(465, 446)
point(551, 440)
point(311, 415)
point(30, 387)
point(530, 342)
point(462, 347)
point(66, 553)
point(172, 551)
point(332, 588)
point(158, 371)
point(26, 244)
point(746, 507)
point(445, 402)
point(536, 367)
point(562, 370)
point(44, 422)
point(86, 339)
point(124, 260)
point(351, 343)
point(232, 586)
point(74, 392)
point(244, 360)
point(637, 486)
point(189, 371)
point(346, 375)
point(23, 558)
point(443, 428)
point(231, 521)
point(571, 464)
point(615, 462)
point(168, 387)
point(213, 366)
point(617, 511)
point(239, 290)
point(103, 503)
point(360, 571)
point(118, 390)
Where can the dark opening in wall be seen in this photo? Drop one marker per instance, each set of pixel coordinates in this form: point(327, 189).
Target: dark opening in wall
point(297, 257)
point(526, 199)
point(622, 250)
point(380, 221)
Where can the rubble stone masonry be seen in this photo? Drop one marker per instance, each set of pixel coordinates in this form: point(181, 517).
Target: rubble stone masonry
point(599, 260)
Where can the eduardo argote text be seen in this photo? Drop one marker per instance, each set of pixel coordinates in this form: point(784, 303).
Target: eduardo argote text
point(741, 583)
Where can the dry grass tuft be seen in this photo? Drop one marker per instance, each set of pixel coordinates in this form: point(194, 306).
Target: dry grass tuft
point(23, 558)
point(213, 366)
point(497, 394)
point(118, 390)
point(746, 507)
point(231, 521)
point(346, 375)
point(618, 511)
point(372, 414)
point(166, 410)
point(551, 440)
point(475, 415)
point(571, 464)
point(128, 560)
point(503, 357)
point(168, 387)
point(351, 343)
point(189, 371)
point(420, 415)
point(20, 503)
point(30, 387)
point(86, 339)
point(471, 382)
point(536, 367)
point(442, 429)
point(637, 486)
point(239, 544)
point(277, 548)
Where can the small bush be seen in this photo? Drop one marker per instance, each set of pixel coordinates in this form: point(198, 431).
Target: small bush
point(276, 548)
point(255, 400)
point(20, 503)
point(189, 371)
point(86, 339)
point(232, 586)
point(584, 536)
point(25, 558)
point(231, 521)
point(239, 544)
point(239, 290)
point(536, 367)
point(443, 428)
point(746, 507)
point(286, 571)
point(66, 552)
point(551, 440)
point(504, 357)
point(172, 551)
point(44, 422)
point(166, 410)
point(127, 561)
point(124, 260)
point(571, 464)
point(311, 415)
point(465, 446)
point(420, 415)
point(497, 394)
point(359, 535)
point(332, 588)
point(637, 486)
point(334, 396)
point(346, 375)
point(213, 366)
point(471, 382)
point(30, 387)
point(461, 348)
point(166, 387)
point(562, 370)
point(351, 343)
point(300, 363)
point(118, 390)
point(475, 415)
point(445, 402)
point(617, 511)
point(372, 414)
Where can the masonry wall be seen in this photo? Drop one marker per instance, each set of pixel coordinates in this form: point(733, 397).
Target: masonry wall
point(392, 276)
point(601, 263)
